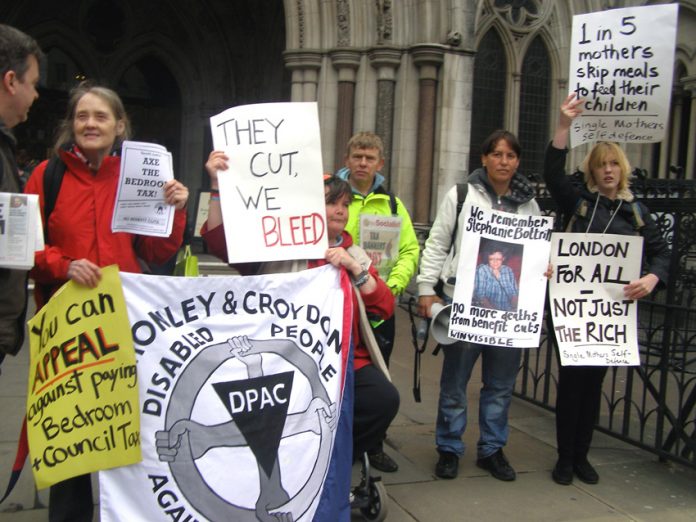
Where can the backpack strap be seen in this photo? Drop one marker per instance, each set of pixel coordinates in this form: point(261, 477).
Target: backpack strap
point(638, 221)
point(392, 203)
point(462, 189)
point(53, 178)
point(580, 211)
point(582, 208)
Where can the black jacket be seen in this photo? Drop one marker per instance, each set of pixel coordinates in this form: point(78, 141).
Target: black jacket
point(569, 198)
point(13, 283)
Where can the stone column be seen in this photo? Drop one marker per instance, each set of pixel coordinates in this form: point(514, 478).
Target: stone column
point(690, 167)
point(428, 58)
point(346, 62)
point(513, 103)
point(305, 66)
point(386, 61)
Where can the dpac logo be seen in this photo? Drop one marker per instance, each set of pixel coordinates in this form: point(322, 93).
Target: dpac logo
point(269, 457)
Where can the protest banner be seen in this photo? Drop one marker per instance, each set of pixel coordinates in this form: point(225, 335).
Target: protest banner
point(240, 387)
point(140, 206)
point(499, 293)
point(621, 64)
point(21, 231)
point(595, 325)
point(82, 401)
point(272, 195)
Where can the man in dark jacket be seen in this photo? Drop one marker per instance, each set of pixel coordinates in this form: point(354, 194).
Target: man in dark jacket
point(19, 75)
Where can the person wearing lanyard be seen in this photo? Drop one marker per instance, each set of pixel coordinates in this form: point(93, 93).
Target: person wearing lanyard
point(603, 205)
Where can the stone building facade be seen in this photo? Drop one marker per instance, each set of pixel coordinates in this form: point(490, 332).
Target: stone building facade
point(432, 77)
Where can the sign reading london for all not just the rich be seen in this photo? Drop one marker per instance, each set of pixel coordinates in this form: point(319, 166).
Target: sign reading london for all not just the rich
point(621, 65)
point(272, 194)
point(594, 323)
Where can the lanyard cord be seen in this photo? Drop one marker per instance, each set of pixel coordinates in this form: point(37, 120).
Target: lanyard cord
point(594, 210)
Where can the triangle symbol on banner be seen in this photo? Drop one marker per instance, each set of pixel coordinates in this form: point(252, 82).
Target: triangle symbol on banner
point(259, 407)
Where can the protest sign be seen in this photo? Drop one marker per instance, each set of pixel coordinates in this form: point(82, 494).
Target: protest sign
point(595, 325)
point(82, 404)
point(240, 387)
point(272, 195)
point(621, 64)
point(499, 293)
point(21, 233)
point(140, 206)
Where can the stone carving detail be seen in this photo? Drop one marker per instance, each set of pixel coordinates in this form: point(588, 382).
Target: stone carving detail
point(520, 17)
point(343, 20)
point(518, 12)
point(300, 23)
point(384, 21)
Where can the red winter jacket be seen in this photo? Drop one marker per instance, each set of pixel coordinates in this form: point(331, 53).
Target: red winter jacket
point(80, 225)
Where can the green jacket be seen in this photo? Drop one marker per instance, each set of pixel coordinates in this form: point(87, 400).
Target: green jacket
point(377, 202)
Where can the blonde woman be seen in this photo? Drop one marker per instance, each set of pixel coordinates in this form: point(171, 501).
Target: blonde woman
point(603, 205)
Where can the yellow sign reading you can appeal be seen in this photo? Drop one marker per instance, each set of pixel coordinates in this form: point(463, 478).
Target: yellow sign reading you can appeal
point(82, 405)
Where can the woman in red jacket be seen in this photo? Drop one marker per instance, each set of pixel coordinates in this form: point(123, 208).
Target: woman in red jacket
point(79, 234)
point(79, 238)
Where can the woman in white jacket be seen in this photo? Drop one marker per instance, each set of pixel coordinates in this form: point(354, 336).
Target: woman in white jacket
point(497, 186)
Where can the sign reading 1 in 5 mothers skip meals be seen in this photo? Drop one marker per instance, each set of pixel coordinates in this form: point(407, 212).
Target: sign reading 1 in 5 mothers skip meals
point(621, 64)
point(272, 194)
point(595, 325)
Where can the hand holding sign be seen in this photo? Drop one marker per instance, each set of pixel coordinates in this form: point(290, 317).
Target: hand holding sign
point(217, 160)
point(571, 108)
point(641, 287)
point(84, 272)
point(175, 194)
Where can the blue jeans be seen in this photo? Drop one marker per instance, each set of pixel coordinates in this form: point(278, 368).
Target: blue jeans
point(499, 371)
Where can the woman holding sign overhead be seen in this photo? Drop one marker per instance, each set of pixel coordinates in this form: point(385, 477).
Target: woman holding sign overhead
point(77, 191)
point(604, 204)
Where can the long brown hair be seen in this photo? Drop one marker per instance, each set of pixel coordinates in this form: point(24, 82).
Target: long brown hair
point(65, 133)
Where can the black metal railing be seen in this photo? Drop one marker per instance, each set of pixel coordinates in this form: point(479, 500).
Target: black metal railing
point(652, 406)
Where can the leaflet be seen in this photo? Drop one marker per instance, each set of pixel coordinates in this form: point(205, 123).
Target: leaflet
point(140, 207)
point(21, 232)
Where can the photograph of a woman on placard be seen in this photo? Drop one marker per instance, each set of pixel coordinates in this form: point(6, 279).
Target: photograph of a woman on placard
point(496, 284)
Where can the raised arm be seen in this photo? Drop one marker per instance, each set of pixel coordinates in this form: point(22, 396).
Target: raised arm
point(570, 109)
point(562, 190)
point(217, 160)
point(212, 231)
